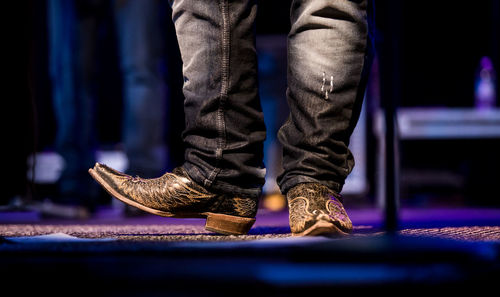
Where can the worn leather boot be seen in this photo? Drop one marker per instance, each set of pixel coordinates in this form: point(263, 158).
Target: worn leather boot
point(177, 195)
point(317, 210)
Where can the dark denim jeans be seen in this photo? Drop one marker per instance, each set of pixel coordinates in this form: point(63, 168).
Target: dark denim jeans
point(327, 61)
point(73, 33)
point(144, 90)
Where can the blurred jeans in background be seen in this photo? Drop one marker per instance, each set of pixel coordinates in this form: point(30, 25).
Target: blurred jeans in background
point(73, 36)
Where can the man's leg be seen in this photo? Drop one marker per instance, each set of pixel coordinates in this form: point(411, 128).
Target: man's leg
point(72, 37)
point(327, 63)
point(140, 49)
point(224, 122)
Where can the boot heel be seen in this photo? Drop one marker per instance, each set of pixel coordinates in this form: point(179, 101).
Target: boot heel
point(229, 225)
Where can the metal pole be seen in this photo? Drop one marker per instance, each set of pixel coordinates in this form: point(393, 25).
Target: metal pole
point(391, 169)
point(389, 23)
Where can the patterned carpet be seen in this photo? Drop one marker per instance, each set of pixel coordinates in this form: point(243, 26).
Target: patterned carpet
point(188, 232)
point(473, 233)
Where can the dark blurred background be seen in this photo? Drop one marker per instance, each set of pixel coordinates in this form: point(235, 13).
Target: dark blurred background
point(439, 47)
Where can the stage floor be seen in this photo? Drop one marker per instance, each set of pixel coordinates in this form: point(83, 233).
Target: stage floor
point(451, 248)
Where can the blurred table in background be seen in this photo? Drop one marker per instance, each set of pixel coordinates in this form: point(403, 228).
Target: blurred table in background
point(423, 124)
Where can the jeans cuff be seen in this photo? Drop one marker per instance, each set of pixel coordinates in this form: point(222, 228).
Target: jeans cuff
point(286, 185)
point(218, 186)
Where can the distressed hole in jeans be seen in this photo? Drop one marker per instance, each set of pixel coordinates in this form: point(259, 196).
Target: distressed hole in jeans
point(324, 88)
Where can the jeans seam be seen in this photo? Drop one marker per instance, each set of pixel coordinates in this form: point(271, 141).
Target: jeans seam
point(362, 75)
point(220, 121)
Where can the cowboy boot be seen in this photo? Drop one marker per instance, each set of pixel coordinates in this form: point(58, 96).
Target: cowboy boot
point(317, 210)
point(177, 195)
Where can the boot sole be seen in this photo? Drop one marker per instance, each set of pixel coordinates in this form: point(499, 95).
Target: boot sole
point(322, 228)
point(216, 222)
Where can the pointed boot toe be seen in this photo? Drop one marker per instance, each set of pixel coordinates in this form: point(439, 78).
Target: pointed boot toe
point(108, 174)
